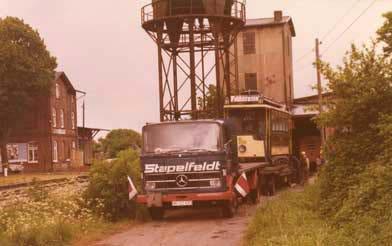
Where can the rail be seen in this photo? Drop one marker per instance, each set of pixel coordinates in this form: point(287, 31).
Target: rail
point(162, 9)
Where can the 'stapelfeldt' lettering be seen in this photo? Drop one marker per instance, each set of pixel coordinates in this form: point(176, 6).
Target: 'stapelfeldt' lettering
point(187, 167)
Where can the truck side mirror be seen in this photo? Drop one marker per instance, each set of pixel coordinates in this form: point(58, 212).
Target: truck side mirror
point(226, 146)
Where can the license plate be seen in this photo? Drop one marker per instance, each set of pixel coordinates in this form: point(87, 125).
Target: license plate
point(181, 203)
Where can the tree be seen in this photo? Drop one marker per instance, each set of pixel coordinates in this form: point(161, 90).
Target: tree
point(120, 139)
point(385, 33)
point(355, 182)
point(362, 92)
point(26, 71)
point(209, 106)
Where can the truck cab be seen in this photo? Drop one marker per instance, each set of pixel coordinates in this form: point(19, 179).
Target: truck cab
point(186, 163)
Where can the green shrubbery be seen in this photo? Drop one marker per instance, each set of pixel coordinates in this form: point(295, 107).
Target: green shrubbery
point(57, 217)
point(118, 140)
point(294, 219)
point(107, 193)
point(356, 183)
point(45, 218)
point(290, 219)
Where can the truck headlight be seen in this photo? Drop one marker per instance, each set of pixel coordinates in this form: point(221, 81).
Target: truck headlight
point(215, 183)
point(242, 148)
point(150, 185)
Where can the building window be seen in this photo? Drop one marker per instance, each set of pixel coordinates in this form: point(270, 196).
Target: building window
point(251, 81)
point(61, 151)
point(67, 149)
point(55, 152)
point(62, 118)
point(72, 150)
point(57, 90)
point(249, 39)
point(33, 153)
point(73, 120)
point(54, 117)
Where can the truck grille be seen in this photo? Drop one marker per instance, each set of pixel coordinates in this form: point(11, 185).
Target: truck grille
point(183, 181)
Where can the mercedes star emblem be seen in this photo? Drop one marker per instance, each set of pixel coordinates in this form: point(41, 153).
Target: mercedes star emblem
point(182, 180)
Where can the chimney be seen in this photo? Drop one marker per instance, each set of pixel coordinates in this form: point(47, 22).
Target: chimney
point(278, 15)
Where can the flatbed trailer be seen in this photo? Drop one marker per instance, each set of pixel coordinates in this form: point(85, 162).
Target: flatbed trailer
point(217, 162)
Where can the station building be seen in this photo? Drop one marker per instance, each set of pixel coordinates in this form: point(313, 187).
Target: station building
point(47, 139)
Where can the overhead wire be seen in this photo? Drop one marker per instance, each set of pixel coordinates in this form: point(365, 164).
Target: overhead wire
point(335, 26)
point(348, 27)
point(339, 20)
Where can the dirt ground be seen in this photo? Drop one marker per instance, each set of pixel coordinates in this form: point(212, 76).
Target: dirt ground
point(192, 227)
point(188, 227)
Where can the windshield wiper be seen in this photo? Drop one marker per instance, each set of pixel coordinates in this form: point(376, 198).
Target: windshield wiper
point(159, 150)
point(200, 150)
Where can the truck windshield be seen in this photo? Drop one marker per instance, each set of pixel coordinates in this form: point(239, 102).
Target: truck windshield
point(182, 137)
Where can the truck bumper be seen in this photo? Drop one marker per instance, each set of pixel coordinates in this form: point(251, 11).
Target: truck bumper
point(196, 198)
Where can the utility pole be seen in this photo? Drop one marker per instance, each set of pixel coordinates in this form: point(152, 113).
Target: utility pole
point(83, 132)
point(319, 87)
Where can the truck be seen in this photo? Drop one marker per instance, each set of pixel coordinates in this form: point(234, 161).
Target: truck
point(218, 162)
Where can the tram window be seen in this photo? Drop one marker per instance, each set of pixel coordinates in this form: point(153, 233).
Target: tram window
point(280, 122)
point(250, 122)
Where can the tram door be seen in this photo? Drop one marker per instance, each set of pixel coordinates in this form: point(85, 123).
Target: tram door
point(250, 130)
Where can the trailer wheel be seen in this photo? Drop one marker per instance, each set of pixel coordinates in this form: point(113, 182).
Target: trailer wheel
point(229, 208)
point(271, 185)
point(255, 195)
point(156, 213)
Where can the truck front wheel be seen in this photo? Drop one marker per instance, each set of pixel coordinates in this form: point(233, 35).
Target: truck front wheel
point(156, 213)
point(229, 208)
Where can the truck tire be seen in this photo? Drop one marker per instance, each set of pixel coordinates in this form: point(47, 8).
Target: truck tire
point(229, 208)
point(156, 213)
point(271, 185)
point(255, 195)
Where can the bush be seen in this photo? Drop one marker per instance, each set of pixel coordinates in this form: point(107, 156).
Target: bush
point(107, 192)
point(52, 219)
point(365, 217)
point(355, 184)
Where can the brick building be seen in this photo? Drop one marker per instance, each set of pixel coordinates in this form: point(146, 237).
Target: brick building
point(264, 52)
point(48, 136)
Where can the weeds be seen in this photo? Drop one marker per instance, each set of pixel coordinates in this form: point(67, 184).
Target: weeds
point(46, 218)
point(290, 219)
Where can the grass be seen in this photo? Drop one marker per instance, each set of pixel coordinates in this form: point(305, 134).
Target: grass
point(291, 219)
point(55, 217)
point(46, 218)
point(29, 177)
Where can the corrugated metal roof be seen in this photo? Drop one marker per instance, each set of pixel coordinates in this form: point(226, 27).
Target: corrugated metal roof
point(301, 110)
point(270, 22)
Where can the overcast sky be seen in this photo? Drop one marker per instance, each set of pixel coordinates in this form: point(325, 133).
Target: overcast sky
point(104, 51)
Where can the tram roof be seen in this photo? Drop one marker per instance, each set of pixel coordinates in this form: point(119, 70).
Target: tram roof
point(254, 106)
